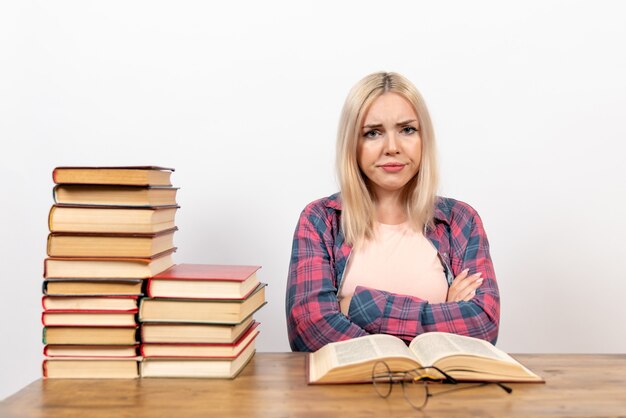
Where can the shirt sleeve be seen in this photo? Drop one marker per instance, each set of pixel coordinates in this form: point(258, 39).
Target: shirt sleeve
point(314, 318)
point(377, 311)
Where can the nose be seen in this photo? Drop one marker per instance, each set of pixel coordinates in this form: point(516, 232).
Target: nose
point(391, 145)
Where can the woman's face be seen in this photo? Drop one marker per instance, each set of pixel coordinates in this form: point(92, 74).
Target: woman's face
point(390, 147)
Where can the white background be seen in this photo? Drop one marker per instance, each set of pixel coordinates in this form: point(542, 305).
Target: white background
point(243, 99)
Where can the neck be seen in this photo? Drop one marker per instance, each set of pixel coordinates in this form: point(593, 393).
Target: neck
point(389, 208)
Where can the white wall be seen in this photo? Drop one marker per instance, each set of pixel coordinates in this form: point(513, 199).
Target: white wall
point(243, 99)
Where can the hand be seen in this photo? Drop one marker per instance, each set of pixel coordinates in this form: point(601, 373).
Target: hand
point(463, 287)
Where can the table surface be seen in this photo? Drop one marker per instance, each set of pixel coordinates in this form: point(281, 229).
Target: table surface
point(274, 385)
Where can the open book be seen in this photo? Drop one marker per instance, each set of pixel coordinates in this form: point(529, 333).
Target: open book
point(464, 358)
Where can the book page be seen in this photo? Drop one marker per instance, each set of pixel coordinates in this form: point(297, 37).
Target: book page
point(432, 346)
point(369, 347)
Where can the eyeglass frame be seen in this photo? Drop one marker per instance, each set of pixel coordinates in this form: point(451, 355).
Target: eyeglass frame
point(404, 377)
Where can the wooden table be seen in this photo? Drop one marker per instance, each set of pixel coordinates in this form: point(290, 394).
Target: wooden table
point(273, 385)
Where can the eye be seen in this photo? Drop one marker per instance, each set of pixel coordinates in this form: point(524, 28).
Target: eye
point(408, 130)
point(371, 134)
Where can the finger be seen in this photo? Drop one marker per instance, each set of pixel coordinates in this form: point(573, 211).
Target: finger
point(459, 285)
point(469, 290)
point(458, 280)
point(461, 275)
point(469, 297)
point(468, 281)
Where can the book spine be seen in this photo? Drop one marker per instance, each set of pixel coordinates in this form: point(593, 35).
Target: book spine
point(149, 287)
point(49, 244)
point(50, 214)
point(44, 369)
point(43, 337)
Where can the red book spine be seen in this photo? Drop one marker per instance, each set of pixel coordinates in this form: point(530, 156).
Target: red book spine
point(148, 287)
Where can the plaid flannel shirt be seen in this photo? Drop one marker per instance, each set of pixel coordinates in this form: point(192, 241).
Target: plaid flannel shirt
point(318, 260)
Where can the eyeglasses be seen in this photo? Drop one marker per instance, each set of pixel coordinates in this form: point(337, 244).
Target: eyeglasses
point(415, 383)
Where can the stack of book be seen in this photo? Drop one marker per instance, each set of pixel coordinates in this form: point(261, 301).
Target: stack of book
point(110, 229)
point(197, 320)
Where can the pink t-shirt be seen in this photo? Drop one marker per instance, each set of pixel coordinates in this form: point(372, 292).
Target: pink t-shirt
point(398, 260)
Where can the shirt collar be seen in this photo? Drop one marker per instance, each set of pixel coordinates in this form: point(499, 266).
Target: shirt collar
point(334, 202)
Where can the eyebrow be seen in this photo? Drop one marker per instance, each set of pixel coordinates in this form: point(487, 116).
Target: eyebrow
point(379, 125)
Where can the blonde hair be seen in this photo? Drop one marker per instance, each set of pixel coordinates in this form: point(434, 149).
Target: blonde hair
point(358, 208)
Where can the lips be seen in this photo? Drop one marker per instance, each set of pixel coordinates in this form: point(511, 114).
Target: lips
point(392, 167)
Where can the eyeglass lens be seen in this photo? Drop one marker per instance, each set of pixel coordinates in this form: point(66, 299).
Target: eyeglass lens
point(382, 379)
point(415, 390)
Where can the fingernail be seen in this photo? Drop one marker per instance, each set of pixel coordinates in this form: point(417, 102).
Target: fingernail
point(479, 280)
point(465, 271)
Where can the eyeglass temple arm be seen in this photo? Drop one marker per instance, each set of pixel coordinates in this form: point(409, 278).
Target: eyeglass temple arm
point(449, 379)
point(504, 387)
point(452, 380)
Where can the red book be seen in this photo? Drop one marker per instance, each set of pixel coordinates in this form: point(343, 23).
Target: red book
point(204, 281)
point(88, 319)
point(90, 303)
point(91, 351)
point(201, 350)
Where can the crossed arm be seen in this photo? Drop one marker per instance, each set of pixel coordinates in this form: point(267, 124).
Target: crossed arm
point(314, 317)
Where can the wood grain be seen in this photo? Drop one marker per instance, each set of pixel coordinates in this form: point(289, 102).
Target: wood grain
point(274, 385)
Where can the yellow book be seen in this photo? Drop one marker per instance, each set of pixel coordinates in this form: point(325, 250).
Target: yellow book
point(89, 194)
point(96, 368)
point(85, 244)
point(107, 268)
point(227, 368)
point(129, 175)
point(111, 219)
point(184, 333)
point(215, 311)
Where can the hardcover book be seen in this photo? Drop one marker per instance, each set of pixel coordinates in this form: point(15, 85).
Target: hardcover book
point(91, 351)
point(91, 287)
point(85, 244)
point(129, 175)
point(80, 368)
point(104, 268)
point(90, 335)
point(155, 332)
point(175, 350)
point(88, 319)
point(204, 281)
point(90, 303)
point(224, 311)
point(97, 195)
point(197, 368)
point(111, 219)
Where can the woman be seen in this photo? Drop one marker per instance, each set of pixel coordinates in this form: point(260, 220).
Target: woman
point(387, 255)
